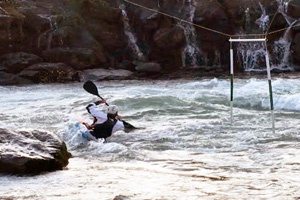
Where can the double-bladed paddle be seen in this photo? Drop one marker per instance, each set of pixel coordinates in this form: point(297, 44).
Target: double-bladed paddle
point(91, 88)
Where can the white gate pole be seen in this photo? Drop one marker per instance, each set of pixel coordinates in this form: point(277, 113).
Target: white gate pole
point(270, 90)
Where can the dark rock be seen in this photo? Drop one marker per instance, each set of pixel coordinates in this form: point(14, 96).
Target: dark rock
point(49, 73)
point(10, 79)
point(295, 48)
point(78, 58)
point(106, 74)
point(148, 67)
point(16, 62)
point(294, 9)
point(31, 152)
point(167, 48)
point(168, 38)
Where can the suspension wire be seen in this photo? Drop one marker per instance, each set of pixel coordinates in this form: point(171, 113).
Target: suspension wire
point(266, 33)
point(177, 18)
point(212, 30)
point(283, 29)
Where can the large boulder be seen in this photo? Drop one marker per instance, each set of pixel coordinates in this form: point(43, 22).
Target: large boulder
point(31, 152)
point(16, 62)
point(49, 73)
point(11, 79)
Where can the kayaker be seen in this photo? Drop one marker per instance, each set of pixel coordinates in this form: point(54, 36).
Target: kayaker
point(105, 124)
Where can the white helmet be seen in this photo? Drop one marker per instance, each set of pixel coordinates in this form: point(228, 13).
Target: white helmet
point(112, 109)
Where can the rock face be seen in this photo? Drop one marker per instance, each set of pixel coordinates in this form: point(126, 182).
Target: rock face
point(16, 62)
point(31, 152)
point(88, 34)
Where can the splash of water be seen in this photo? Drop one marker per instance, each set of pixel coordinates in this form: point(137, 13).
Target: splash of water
point(132, 41)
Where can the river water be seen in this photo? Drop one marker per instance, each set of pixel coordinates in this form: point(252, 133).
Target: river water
point(188, 150)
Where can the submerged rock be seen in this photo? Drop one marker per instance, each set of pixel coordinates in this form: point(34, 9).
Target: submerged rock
point(31, 152)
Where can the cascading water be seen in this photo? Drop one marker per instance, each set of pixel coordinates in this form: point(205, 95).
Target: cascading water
point(49, 33)
point(10, 46)
point(132, 41)
point(191, 50)
point(247, 21)
point(252, 55)
point(281, 48)
point(264, 19)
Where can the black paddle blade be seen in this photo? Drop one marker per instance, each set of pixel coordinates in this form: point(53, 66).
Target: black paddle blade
point(128, 126)
point(90, 87)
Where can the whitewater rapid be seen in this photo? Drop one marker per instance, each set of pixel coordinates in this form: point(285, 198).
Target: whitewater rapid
point(186, 150)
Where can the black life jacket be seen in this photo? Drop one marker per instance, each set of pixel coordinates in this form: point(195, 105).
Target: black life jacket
point(104, 130)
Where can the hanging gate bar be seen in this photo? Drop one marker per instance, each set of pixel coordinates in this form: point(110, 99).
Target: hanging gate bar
point(268, 72)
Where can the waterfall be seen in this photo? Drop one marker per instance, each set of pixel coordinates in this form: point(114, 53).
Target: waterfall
point(191, 50)
point(252, 56)
point(53, 27)
point(282, 50)
point(132, 41)
point(284, 4)
point(49, 33)
point(264, 19)
point(281, 47)
point(247, 21)
point(10, 44)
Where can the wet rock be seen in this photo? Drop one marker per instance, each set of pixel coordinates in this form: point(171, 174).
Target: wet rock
point(167, 48)
point(168, 38)
point(5, 35)
point(295, 48)
point(78, 58)
point(148, 67)
point(49, 73)
point(16, 62)
point(31, 152)
point(106, 74)
point(294, 9)
point(10, 79)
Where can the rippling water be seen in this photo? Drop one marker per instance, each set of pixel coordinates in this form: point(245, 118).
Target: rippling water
point(188, 149)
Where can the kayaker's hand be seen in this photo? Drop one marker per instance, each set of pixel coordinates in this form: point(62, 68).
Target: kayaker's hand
point(100, 102)
point(86, 125)
point(118, 117)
